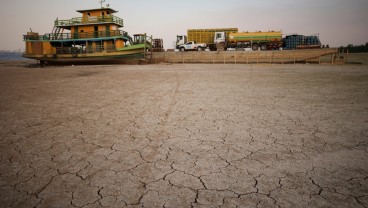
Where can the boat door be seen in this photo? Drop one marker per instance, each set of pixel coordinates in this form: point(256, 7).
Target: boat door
point(107, 30)
point(95, 33)
point(98, 46)
point(76, 32)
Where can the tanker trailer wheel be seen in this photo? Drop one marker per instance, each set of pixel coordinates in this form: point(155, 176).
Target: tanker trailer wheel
point(263, 47)
point(255, 47)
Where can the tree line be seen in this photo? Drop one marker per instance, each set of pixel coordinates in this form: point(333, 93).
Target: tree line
point(355, 48)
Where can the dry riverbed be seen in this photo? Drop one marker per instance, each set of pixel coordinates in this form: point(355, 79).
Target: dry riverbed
point(184, 136)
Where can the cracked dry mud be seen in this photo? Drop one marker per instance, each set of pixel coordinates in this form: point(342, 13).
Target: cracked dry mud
point(184, 136)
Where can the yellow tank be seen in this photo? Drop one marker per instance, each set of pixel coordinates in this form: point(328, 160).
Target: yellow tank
point(274, 36)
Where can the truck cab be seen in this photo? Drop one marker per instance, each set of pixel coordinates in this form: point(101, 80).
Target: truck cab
point(181, 40)
point(220, 37)
point(220, 41)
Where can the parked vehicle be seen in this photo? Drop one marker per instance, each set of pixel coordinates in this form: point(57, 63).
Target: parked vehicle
point(208, 36)
point(192, 46)
point(231, 39)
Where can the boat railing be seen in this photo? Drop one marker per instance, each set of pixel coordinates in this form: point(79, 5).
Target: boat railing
point(89, 20)
point(80, 35)
point(85, 50)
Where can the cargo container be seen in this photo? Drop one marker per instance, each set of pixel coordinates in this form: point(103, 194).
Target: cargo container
point(292, 42)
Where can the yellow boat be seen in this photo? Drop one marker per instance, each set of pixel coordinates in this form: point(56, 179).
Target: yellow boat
point(93, 38)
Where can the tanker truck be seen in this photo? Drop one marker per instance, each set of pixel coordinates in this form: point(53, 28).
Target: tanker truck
point(230, 38)
point(271, 40)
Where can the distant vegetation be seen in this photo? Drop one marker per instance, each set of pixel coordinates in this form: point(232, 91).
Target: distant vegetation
point(355, 49)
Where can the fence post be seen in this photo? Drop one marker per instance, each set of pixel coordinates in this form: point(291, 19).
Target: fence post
point(271, 59)
point(347, 56)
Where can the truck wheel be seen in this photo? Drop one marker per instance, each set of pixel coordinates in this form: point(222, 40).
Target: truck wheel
point(263, 47)
point(182, 49)
point(200, 49)
point(255, 47)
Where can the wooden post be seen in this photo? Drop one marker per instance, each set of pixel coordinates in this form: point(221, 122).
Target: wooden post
point(270, 59)
point(347, 55)
point(145, 40)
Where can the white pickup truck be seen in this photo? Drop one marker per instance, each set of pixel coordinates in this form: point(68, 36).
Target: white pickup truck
point(192, 46)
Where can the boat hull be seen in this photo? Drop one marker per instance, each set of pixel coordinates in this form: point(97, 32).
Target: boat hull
point(127, 56)
point(123, 59)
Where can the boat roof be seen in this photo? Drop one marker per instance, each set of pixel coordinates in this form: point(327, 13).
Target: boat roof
point(99, 9)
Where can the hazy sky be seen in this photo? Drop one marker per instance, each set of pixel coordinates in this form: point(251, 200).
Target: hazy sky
point(338, 22)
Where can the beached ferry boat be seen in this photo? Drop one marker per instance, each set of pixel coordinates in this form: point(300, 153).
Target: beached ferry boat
point(93, 38)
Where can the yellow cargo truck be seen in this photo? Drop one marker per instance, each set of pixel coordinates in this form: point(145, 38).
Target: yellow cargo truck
point(206, 36)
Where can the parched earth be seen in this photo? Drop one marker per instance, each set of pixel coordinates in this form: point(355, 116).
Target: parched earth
point(184, 136)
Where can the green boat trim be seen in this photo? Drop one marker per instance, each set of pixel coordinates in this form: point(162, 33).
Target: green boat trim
point(133, 47)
